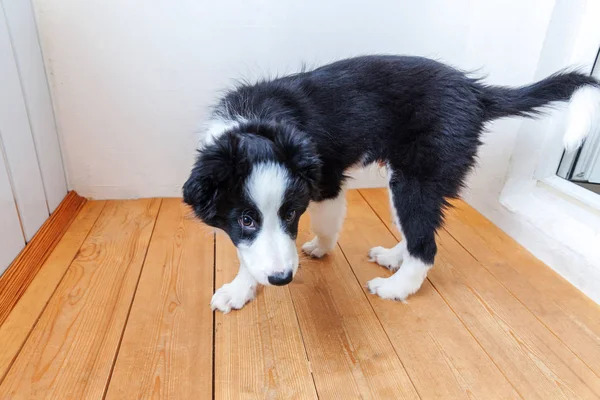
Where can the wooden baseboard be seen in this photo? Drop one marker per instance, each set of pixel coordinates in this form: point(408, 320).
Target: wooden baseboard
point(23, 269)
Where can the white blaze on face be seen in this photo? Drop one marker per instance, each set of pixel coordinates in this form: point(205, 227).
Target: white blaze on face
point(273, 251)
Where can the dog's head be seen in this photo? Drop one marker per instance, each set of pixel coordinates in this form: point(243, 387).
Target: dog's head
point(254, 183)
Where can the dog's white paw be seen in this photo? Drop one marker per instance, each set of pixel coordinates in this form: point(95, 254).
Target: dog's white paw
point(232, 296)
point(315, 248)
point(388, 258)
point(394, 289)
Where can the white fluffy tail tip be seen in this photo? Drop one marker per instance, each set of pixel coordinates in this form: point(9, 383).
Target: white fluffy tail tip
point(583, 116)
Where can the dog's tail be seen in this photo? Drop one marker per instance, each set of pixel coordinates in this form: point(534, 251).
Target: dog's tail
point(581, 91)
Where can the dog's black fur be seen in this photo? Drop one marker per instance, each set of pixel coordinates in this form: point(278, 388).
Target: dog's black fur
point(422, 118)
point(215, 188)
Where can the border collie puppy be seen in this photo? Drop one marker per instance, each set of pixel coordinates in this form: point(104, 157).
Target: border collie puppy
point(276, 148)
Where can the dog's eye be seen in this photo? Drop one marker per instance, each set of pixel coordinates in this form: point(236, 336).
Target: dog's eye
point(289, 217)
point(246, 221)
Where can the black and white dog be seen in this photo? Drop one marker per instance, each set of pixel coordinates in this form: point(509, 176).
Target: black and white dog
point(277, 147)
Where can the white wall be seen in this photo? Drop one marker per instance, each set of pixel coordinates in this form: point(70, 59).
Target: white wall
point(132, 79)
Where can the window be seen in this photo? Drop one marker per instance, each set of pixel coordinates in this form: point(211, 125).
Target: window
point(583, 167)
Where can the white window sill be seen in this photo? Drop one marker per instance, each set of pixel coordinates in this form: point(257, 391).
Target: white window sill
point(560, 224)
point(562, 187)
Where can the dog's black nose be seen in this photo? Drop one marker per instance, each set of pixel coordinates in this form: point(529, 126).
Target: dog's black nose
point(281, 278)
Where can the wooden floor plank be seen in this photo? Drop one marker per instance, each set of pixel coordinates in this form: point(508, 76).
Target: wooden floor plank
point(22, 318)
point(25, 267)
point(442, 358)
point(350, 353)
point(166, 351)
point(71, 350)
point(259, 352)
point(533, 359)
point(495, 323)
point(571, 315)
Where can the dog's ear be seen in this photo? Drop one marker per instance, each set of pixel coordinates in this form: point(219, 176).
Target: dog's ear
point(300, 155)
point(213, 175)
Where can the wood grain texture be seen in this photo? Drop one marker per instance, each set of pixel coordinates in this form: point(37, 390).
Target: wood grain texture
point(22, 318)
point(537, 364)
point(70, 352)
point(120, 308)
point(24, 268)
point(566, 311)
point(350, 353)
point(442, 358)
point(166, 351)
point(259, 352)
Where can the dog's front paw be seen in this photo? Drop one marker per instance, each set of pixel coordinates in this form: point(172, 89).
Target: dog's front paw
point(392, 288)
point(315, 248)
point(388, 258)
point(231, 296)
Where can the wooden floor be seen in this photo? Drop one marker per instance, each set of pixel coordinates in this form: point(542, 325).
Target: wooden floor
point(120, 310)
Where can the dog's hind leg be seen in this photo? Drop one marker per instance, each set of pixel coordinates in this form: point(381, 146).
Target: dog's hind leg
point(390, 258)
point(326, 219)
point(418, 210)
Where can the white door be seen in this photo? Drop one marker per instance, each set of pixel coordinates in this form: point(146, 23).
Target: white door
point(19, 148)
point(32, 181)
point(11, 236)
point(36, 95)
